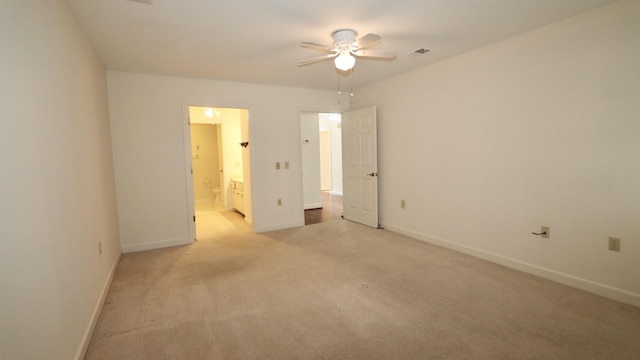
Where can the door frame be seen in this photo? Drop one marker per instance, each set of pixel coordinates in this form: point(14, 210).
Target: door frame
point(186, 133)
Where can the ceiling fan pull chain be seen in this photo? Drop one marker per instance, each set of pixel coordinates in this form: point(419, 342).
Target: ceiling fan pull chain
point(339, 92)
point(351, 92)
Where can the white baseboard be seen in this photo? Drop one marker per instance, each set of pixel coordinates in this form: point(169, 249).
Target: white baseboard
point(262, 229)
point(313, 206)
point(155, 245)
point(566, 279)
point(86, 338)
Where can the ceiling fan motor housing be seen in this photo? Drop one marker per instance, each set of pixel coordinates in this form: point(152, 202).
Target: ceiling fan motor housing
point(343, 39)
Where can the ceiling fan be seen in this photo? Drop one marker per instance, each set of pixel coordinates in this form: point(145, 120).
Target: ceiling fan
point(346, 49)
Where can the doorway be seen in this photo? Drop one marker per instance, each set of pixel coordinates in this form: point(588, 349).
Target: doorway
point(218, 163)
point(321, 135)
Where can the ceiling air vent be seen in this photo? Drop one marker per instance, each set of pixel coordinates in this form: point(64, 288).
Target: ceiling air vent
point(417, 52)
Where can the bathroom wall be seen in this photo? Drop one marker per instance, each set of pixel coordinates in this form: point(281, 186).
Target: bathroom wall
point(204, 158)
point(232, 151)
point(247, 166)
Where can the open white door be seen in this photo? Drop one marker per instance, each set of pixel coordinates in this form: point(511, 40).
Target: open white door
point(360, 166)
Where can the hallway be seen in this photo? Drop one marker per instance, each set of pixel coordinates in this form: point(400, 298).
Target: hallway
point(331, 210)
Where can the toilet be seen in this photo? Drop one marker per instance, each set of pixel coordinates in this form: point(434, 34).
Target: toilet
point(216, 195)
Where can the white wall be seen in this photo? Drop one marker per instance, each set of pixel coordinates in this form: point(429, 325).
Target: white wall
point(325, 151)
point(331, 122)
point(540, 129)
point(57, 191)
point(311, 160)
point(231, 150)
point(150, 167)
point(335, 130)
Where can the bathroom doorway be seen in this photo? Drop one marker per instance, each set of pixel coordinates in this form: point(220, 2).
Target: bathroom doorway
point(219, 163)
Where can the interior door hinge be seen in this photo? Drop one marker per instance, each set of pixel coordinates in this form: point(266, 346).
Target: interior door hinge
point(191, 171)
point(194, 218)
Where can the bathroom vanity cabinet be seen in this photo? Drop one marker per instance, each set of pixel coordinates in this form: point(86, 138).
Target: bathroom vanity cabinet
point(237, 195)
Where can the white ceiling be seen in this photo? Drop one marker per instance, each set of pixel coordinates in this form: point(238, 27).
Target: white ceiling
point(258, 41)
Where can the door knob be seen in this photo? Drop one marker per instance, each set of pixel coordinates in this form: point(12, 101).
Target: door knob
point(373, 174)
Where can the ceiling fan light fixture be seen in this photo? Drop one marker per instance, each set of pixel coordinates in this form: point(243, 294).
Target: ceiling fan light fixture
point(345, 61)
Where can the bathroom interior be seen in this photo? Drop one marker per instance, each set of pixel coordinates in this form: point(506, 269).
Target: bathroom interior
point(217, 161)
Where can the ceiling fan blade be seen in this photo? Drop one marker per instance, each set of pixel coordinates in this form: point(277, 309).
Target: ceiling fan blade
point(312, 45)
point(379, 54)
point(316, 59)
point(367, 41)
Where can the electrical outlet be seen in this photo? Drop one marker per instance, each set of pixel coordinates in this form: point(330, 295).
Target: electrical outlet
point(286, 165)
point(277, 165)
point(614, 244)
point(279, 202)
point(402, 204)
point(545, 232)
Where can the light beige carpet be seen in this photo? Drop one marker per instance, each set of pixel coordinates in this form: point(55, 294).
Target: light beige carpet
point(340, 290)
